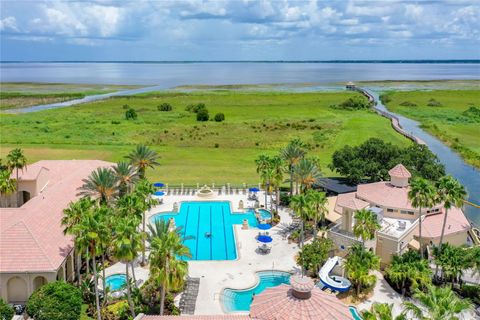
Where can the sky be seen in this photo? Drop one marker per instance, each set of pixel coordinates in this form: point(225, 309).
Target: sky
point(238, 30)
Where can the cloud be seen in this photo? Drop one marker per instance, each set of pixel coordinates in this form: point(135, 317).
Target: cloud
point(8, 24)
point(228, 27)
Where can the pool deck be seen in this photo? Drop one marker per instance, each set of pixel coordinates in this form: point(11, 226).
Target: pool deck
point(238, 274)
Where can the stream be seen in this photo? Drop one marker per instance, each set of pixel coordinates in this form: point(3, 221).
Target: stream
point(468, 175)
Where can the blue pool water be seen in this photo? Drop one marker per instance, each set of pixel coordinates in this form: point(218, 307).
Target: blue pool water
point(212, 217)
point(355, 314)
point(264, 214)
point(115, 281)
point(240, 300)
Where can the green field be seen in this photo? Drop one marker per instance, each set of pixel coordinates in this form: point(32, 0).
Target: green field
point(192, 151)
point(14, 95)
point(449, 121)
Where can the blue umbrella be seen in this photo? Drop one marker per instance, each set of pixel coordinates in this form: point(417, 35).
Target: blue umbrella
point(158, 184)
point(159, 193)
point(265, 239)
point(254, 189)
point(264, 226)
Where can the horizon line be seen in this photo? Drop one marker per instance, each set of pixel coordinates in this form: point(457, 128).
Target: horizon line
point(254, 61)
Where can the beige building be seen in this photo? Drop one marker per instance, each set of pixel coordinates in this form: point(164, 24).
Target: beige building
point(33, 248)
point(397, 218)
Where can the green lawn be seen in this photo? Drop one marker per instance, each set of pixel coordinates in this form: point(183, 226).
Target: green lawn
point(192, 151)
point(447, 121)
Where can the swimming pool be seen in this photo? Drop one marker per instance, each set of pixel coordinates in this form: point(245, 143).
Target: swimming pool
point(264, 214)
point(210, 223)
point(240, 300)
point(115, 282)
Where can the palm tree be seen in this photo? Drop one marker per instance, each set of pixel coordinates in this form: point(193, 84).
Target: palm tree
point(436, 303)
point(366, 225)
point(292, 154)
point(307, 173)
point(143, 190)
point(382, 311)
point(7, 185)
point(101, 184)
point(318, 208)
point(126, 176)
point(17, 160)
point(422, 194)
point(167, 252)
point(88, 233)
point(359, 263)
point(126, 244)
point(409, 271)
point(266, 172)
point(474, 258)
point(72, 217)
point(142, 158)
point(300, 205)
point(453, 260)
point(277, 178)
point(451, 193)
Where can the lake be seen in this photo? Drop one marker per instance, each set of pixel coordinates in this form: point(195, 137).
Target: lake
point(169, 75)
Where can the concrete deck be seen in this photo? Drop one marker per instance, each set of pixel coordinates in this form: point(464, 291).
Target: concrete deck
point(239, 274)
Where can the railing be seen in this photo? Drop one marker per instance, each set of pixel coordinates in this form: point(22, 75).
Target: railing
point(343, 233)
point(394, 119)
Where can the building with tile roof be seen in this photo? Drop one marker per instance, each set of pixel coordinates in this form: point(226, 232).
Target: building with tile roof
point(33, 247)
point(398, 218)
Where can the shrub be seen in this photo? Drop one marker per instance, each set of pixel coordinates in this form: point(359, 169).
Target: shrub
point(126, 106)
point(473, 113)
point(55, 301)
point(471, 291)
point(217, 145)
point(385, 98)
point(219, 117)
point(195, 108)
point(315, 254)
point(131, 114)
point(115, 122)
point(408, 104)
point(433, 103)
point(6, 311)
point(165, 107)
point(355, 103)
point(202, 115)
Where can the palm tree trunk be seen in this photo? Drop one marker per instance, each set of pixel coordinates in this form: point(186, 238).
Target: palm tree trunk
point(291, 181)
point(78, 267)
point(301, 246)
point(104, 283)
point(129, 294)
point(266, 195)
point(18, 193)
point(315, 228)
point(143, 249)
point(162, 300)
point(97, 298)
point(441, 239)
point(271, 200)
point(87, 262)
point(420, 232)
point(277, 201)
point(133, 273)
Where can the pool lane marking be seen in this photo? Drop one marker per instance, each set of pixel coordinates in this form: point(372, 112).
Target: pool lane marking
point(225, 233)
point(211, 241)
point(198, 231)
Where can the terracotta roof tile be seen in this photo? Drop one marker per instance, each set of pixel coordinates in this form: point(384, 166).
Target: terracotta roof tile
point(456, 222)
point(399, 171)
point(31, 237)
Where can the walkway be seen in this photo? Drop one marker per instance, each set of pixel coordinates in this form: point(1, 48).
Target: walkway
point(189, 296)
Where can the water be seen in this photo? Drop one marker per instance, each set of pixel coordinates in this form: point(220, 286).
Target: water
point(355, 314)
point(215, 218)
point(468, 175)
point(264, 214)
point(116, 282)
point(240, 300)
point(167, 75)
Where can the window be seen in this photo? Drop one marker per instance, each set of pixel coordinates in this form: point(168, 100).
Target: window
point(389, 210)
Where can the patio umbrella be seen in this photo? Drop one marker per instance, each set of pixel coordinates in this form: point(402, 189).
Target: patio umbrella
point(158, 184)
point(253, 189)
point(159, 193)
point(300, 300)
point(264, 226)
point(264, 239)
